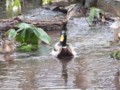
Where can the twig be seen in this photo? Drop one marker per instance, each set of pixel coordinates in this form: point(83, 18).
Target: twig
point(85, 17)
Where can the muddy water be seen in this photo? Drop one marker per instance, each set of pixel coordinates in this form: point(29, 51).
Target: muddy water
point(92, 69)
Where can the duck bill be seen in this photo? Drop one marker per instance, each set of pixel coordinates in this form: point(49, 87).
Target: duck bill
point(61, 38)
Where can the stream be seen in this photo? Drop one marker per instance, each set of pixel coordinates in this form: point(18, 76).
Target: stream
point(92, 69)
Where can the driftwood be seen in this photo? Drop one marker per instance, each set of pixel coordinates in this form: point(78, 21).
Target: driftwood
point(6, 24)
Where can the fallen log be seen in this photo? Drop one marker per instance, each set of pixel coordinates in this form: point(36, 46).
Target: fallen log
point(6, 24)
point(47, 25)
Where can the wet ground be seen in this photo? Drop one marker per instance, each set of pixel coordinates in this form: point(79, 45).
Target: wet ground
point(92, 69)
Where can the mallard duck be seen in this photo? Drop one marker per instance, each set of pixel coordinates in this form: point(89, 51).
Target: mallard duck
point(7, 47)
point(62, 48)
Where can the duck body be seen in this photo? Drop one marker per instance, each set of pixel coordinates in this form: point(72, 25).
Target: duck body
point(7, 47)
point(67, 51)
point(62, 49)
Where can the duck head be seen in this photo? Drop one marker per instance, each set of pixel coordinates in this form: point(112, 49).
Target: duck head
point(63, 38)
point(63, 35)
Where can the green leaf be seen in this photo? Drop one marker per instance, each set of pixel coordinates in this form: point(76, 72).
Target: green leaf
point(26, 48)
point(118, 56)
point(34, 40)
point(20, 29)
point(23, 32)
point(94, 12)
point(24, 26)
point(21, 36)
point(115, 54)
point(41, 34)
point(91, 15)
point(28, 36)
point(34, 47)
point(11, 34)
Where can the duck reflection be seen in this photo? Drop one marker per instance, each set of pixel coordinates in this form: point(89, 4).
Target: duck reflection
point(64, 75)
point(8, 58)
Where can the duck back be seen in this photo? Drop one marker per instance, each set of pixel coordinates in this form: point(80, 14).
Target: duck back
point(65, 52)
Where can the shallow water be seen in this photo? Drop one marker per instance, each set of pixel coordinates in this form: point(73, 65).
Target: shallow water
point(92, 69)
